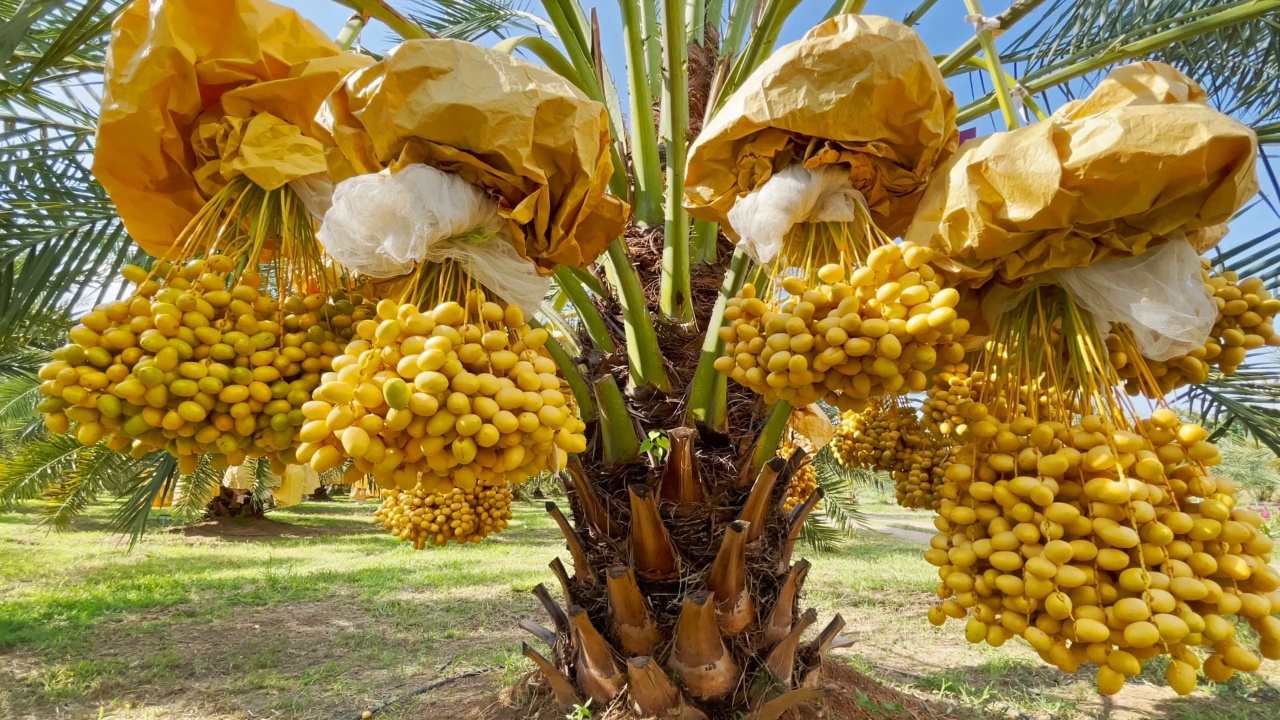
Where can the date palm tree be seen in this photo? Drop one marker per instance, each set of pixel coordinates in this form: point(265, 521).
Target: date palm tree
point(684, 584)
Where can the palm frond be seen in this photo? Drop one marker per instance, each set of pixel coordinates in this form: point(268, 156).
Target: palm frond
point(51, 53)
point(35, 335)
point(1255, 257)
point(138, 495)
point(1249, 399)
point(264, 480)
point(19, 394)
point(37, 466)
point(820, 536)
point(470, 19)
point(1239, 65)
point(1270, 196)
point(196, 489)
point(839, 518)
point(18, 399)
point(98, 470)
point(59, 235)
point(22, 363)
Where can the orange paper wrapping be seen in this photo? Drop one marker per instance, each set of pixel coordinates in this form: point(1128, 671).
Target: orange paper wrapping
point(199, 91)
point(859, 91)
point(531, 140)
point(1141, 158)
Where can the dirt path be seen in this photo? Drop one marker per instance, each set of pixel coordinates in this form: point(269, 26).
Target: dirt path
point(914, 536)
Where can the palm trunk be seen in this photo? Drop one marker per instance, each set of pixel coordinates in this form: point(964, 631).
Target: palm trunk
point(230, 504)
point(682, 589)
point(681, 592)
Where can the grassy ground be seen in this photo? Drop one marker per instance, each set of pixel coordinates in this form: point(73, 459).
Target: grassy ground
point(316, 615)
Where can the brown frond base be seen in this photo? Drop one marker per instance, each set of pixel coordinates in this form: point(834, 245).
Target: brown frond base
point(645, 607)
point(845, 694)
point(230, 503)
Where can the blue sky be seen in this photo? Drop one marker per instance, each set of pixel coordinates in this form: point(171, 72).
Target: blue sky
point(943, 30)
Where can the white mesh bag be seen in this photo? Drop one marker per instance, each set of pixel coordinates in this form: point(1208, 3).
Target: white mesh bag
point(383, 225)
point(795, 195)
point(315, 192)
point(1159, 295)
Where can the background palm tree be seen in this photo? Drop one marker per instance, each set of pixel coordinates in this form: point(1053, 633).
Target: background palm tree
point(647, 542)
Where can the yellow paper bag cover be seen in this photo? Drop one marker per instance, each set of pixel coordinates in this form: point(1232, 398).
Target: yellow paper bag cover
point(200, 91)
point(860, 92)
point(530, 139)
point(1143, 157)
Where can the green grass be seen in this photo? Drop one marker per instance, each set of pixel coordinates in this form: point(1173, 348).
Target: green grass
point(913, 528)
point(93, 620)
point(1003, 684)
point(318, 614)
point(872, 571)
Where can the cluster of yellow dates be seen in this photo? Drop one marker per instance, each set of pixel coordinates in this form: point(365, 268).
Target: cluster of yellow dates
point(888, 436)
point(954, 389)
point(1104, 544)
point(805, 479)
point(1246, 313)
point(848, 337)
point(457, 399)
point(424, 515)
point(200, 360)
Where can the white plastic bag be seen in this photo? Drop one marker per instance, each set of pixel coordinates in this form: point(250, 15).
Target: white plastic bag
point(812, 425)
point(315, 192)
point(797, 194)
point(1159, 295)
point(383, 225)
point(238, 477)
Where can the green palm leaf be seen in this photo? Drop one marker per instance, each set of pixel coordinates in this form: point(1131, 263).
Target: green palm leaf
point(37, 466)
point(59, 235)
point(1239, 65)
point(158, 476)
point(838, 519)
point(196, 489)
point(98, 470)
point(1250, 399)
point(19, 421)
point(45, 48)
point(22, 363)
point(264, 479)
point(472, 19)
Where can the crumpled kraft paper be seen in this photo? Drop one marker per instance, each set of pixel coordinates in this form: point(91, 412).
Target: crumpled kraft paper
point(531, 140)
point(298, 482)
point(199, 91)
point(811, 423)
point(859, 91)
point(1140, 159)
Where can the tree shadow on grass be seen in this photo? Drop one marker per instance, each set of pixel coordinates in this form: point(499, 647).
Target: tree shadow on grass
point(255, 529)
point(204, 579)
point(1243, 697)
point(323, 658)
